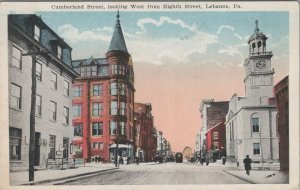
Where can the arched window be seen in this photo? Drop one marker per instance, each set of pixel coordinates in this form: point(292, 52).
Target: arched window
point(258, 45)
point(253, 46)
point(255, 128)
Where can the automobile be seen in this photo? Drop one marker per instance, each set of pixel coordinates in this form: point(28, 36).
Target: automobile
point(178, 157)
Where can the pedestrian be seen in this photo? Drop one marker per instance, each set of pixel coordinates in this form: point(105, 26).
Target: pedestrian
point(247, 163)
point(207, 160)
point(137, 160)
point(223, 160)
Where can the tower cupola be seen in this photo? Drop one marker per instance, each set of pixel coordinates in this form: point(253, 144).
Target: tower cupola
point(257, 41)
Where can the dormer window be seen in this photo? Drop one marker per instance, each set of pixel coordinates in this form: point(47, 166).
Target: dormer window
point(37, 33)
point(59, 52)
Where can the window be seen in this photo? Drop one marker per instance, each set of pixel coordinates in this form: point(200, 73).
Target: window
point(97, 145)
point(88, 71)
point(216, 135)
point(82, 71)
point(122, 108)
point(122, 126)
point(53, 110)
point(102, 70)
point(118, 69)
point(38, 105)
point(66, 115)
point(15, 136)
point(38, 71)
point(97, 109)
point(16, 58)
point(77, 91)
point(113, 108)
point(94, 70)
point(52, 143)
point(65, 147)
point(114, 88)
point(97, 129)
point(66, 88)
point(59, 52)
point(15, 97)
point(54, 80)
point(77, 110)
point(78, 129)
point(256, 148)
point(216, 145)
point(255, 125)
point(97, 89)
point(37, 33)
point(113, 128)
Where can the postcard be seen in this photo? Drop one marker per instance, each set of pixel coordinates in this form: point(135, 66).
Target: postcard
point(143, 95)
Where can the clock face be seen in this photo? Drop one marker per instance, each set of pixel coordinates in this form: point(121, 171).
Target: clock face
point(260, 64)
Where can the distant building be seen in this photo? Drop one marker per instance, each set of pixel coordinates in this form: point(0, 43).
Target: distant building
point(212, 113)
point(197, 145)
point(103, 103)
point(187, 153)
point(145, 136)
point(216, 141)
point(251, 120)
point(161, 141)
point(54, 78)
point(281, 90)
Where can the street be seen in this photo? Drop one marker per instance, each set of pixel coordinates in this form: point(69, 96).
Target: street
point(166, 173)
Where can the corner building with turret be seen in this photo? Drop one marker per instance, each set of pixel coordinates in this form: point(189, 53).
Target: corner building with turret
point(104, 103)
point(251, 120)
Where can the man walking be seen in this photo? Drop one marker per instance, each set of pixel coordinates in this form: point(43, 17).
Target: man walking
point(247, 163)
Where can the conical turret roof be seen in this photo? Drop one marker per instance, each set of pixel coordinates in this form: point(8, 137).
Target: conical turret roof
point(117, 42)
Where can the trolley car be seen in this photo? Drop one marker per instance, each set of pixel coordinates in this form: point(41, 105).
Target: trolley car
point(178, 157)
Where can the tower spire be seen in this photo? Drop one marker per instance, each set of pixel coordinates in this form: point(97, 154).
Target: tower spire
point(256, 27)
point(117, 42)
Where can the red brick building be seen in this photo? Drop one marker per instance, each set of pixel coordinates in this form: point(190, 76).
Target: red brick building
point(281, 90)
point(145, 133)
point(216, 141)
point(212, 113)
point(103, 103)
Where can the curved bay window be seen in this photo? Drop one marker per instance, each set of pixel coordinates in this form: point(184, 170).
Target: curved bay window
point(113, 128)
point(114, 108)
point(114, 86)
point(118, 69)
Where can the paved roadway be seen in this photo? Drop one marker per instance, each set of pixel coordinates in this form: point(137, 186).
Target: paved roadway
point(165, 174)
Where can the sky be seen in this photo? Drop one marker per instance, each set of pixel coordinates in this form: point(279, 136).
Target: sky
point(180, 58)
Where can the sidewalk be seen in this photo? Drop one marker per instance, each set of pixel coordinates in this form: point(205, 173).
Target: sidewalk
point(47, 176)
point(256, 176)
point(262, 177)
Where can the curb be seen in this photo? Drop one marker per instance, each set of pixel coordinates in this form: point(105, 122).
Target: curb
point(250, 181)
point(68, 177)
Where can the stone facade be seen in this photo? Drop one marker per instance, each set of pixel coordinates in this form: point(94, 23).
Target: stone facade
point(53, 127)
point(251, 120)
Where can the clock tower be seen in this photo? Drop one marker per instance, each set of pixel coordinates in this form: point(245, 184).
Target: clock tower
point(259, 71)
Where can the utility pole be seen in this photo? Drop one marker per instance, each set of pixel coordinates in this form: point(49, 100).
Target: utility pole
point(33, 52)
